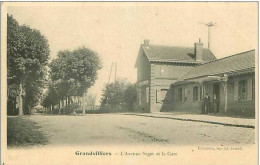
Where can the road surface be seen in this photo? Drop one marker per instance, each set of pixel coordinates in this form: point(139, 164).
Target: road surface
point(108, 129)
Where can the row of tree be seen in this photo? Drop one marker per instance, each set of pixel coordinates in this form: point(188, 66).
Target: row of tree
point(65, 78)
point(27, 59)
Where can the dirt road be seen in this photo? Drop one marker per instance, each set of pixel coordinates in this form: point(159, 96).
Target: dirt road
point(124, 129)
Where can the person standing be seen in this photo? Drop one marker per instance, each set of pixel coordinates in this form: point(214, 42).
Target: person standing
point(206, 104)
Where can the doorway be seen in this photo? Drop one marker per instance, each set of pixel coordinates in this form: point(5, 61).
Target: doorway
point(216, 98)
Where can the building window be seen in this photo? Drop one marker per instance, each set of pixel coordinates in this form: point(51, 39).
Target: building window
point(186, 94)
point(242, 90)
point(201, 92)
point(164, 95)
point(161, 95)
point(179, 94)
point(195, 93)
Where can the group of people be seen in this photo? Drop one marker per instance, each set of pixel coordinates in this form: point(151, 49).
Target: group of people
point(206, 107)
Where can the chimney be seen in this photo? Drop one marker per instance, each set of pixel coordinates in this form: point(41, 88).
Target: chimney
point(146, 43)
point(198, 46)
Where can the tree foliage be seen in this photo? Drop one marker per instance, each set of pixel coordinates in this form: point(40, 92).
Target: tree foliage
point(120, 95)
point(72, 73)
point(75, 71)
point(130, 96)
point(27, 58)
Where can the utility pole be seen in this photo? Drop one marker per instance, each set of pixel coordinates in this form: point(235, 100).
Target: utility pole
point(110, 72)
point(115, 65)
point(209, 36)
point(209, 25)
point(115, 71)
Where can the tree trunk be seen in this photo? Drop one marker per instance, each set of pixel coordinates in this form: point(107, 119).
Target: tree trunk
point(69, 110)
point(51, 109)
point(75, 101)
point(66, 100)
point(63, 106)
point(79, 98)
point(21, 101)
point(83, 102)
point(14, 107)
point(59, 107)
point(30, 110)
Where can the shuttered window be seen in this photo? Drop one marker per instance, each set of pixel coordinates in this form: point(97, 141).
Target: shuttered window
point(235, 90)
point(249, 89)
point(242, 90)
point(161, 95)
point(179, 94)
point(164, 95)
point(186, 94)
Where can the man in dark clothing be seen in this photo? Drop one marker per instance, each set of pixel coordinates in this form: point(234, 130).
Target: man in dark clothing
point(206, 104)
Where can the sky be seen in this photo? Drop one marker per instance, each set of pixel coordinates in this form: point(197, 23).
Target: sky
point(115, 30)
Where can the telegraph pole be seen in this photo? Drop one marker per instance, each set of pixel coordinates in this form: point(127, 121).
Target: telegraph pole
point(209, 29)
point(110, 72)
point(115, 71)
point(209, 25)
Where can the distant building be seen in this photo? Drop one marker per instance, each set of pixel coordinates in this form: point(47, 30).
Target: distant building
point(160, 66)
point(229, 82)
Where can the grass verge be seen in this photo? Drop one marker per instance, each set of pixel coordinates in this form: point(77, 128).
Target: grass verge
point(23, 132)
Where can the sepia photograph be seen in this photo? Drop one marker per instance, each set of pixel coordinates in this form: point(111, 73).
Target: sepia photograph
point(129, 83)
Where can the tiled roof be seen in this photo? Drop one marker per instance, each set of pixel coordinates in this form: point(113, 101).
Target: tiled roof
point(175, 54)
point(237, 62)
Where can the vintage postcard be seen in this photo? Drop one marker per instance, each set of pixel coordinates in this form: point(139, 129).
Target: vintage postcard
point(129, 83)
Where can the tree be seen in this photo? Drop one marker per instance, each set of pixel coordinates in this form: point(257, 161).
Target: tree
point(130, 96)
point(14, 45)
point(74, 72)
point(27, 58)
point(51, 97)
point(118, 96)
